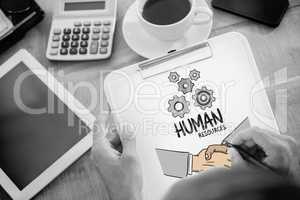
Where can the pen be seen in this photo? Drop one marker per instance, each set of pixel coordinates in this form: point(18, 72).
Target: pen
point(251, 159)
point(253, 155)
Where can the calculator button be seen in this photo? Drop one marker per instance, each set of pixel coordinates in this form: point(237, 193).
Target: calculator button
point(55, 38)
point(97, 23)
point(96, 30)
point(75, 37)
point(95, 37)
point(87, 23)
point(105, 36)
point(66, 37)
point(63, 51)
point(104, 43)
point(107, 22)
point(77, 24)
point(67, 31)
point(83, 50)
point(73, 51)
point(65, 44)
point(76, 30)
point(57, 31)
point(94, 47)
point(55, 45)
point(86, 30)
point(103, 50)
point(106, 29)
point(85, 37)
point(53, 52)
point(74, 44)
point(83, 44)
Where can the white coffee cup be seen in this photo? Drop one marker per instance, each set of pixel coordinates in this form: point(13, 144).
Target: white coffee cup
point(198, 15)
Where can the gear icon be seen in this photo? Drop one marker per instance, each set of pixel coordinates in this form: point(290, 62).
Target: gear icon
point(178, 106)
point(185, 85)
point(173, 77)
point(194, 75)
point(204, 98)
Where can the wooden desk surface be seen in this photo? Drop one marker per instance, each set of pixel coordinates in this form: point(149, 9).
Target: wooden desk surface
point(274, 50)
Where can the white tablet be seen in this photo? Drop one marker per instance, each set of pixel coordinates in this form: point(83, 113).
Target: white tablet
point(43, 128)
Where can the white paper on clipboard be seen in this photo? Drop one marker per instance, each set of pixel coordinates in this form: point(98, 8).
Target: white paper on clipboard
point(146, 101)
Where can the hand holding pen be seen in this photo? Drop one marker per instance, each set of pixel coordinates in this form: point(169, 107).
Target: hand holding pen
point(278, 153)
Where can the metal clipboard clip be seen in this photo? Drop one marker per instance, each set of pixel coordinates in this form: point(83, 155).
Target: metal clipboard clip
point(176, 59)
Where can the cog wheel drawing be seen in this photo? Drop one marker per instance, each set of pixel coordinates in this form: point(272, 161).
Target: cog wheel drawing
point(173, 77)
point(204, 98)
point(194, 75)
point(185, 85)
point(178, 106)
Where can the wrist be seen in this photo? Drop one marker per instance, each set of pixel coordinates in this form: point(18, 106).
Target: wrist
point(194, 163)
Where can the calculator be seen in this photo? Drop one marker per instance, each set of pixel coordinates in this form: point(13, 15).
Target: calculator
point(82, 30)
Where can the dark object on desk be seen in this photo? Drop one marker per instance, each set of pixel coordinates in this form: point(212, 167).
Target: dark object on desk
point(22, 20)
point(269, 12)
point(14, 6)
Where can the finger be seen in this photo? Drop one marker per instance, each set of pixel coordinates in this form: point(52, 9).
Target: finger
point(256, 136)
point(280, 159)
point(243, 136)
point(249, 143)
point(281, 166)
point(209, 152)
point(228, 164)
point(113, 136)
point(208, 155)
point(128, 139)
point(98, 130)
point(129, 158)
point(206, 167)
point(236, 158)
point(112, 132)
point(102, 150)
point(129, 147)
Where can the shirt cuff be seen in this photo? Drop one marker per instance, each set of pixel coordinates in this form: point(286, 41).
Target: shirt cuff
point(190, 164)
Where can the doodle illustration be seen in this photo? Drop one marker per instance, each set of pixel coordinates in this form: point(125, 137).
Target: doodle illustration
point(178, 106)
point(173, 77)
point(185, 85)
point(194, 75)
point(181, 164)
point(203, 98)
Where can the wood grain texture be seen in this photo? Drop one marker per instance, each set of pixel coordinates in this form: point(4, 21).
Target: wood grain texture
point(274, 49)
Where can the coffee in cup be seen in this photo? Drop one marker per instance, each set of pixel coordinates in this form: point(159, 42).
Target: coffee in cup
point(165, 12)
point(170, 19)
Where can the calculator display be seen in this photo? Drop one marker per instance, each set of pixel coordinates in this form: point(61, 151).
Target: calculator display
point(90, 5)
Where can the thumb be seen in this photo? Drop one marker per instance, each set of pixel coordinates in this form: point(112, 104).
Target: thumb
point(102, 150)
point(129, 158)
point(128, 140)
point(209, 152)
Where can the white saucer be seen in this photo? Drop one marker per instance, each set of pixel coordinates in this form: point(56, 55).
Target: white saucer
point(149, 47)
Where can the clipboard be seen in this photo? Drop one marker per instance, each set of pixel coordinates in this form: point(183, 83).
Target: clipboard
point(215, 81)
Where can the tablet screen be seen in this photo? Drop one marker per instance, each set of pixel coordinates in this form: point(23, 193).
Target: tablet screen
point(36, 128)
